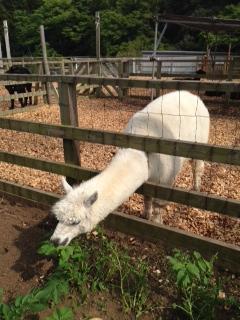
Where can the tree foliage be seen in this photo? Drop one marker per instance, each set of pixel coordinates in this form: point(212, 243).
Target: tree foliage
point(127, 26)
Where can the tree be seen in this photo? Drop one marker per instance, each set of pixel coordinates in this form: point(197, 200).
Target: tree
point(127, 26)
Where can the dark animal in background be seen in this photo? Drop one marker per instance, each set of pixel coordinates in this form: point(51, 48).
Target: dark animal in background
point(199, 72)
point(21, 87)
point(235, 95)
point(214, 93)
point(210, 93)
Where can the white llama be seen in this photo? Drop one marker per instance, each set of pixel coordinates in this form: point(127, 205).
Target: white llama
point(178, 115)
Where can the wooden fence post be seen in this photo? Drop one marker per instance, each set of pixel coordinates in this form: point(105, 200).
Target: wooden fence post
point(1, 60)
point(71, 69)
point(69, 116)
point(126, 67)
point(98, 50)
point(88, 68)
point(62, 67)
point(7, 42)
point(120, 75)
point(45, 63)
point(230, 70)
point(37, 84)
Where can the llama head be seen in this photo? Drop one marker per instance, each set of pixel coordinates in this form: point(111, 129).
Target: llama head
point(73, 213)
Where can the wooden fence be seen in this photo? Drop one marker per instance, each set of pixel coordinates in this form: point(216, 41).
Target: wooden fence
point(229, 255)
point(133, 66)
point(126, 68)
point(124, 83)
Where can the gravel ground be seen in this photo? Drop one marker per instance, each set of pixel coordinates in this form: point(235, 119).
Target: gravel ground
point(111, 114)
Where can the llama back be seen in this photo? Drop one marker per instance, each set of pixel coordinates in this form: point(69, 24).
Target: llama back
point(178, 115)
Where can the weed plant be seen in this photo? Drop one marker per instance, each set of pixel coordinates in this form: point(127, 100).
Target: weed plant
point(84, 268)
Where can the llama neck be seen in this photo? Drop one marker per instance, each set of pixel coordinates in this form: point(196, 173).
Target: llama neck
point(127, 172)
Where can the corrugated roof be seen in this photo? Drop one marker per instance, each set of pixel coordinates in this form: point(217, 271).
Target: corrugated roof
point(202, 23)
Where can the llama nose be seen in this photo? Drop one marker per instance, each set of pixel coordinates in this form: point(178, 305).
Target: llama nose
point(64, 242)
point(55, 241)
point(59, 242)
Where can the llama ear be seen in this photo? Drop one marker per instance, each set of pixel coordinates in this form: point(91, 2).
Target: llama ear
point(66, 185)
point(90, 201)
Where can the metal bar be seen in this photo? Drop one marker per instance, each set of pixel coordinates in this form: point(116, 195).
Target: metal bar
point(161, 35)
point(202, 22)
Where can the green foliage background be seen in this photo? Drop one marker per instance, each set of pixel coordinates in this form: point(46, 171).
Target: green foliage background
point(127, 26)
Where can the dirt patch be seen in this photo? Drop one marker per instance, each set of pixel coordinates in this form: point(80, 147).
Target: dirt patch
point(24, 227)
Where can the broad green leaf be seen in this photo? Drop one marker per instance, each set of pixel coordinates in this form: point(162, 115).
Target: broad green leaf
point(47, 249)
point(37, 307)
point(62, 314)
point(201, 264)
point(193, 269)
point(186, 281)
point(180, 276)
point(178, 266)
point(197, 255)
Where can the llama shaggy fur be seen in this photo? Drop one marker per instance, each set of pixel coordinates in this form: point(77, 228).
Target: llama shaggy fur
point(178, 115)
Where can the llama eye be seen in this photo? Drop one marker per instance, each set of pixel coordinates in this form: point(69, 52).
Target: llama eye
point(71, 222)
point(75, 223)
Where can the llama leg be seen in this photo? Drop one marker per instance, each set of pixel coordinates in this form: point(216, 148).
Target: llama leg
point(158, 210)
point(12, 104)
point(21, 102)
point(29, 90)
point(198, 169)
point(153, 210)
point(148, 207)
point(25, 101)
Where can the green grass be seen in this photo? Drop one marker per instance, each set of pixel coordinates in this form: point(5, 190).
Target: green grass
point(36, 301)
point(84, 267)
point(103, 266)
point(98, 264)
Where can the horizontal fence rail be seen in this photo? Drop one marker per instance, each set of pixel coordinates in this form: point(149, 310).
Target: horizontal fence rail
point(178, 57)
point(148, 144)
point(175, 66)
point(11, 112)
point(190, 198)
point(228, 255)
point(224, 86)
point(16, 63)
point(23, 95)
point(7, 83)
point(28, 193)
